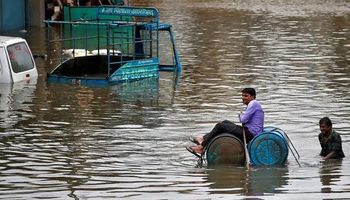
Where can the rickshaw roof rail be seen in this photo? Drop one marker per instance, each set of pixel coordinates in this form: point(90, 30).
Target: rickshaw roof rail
point(104, 13)
point(111, 23)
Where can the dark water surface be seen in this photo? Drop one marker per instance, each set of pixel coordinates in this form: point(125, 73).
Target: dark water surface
point(127, 141)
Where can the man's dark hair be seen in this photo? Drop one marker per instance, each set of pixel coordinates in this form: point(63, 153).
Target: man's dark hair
point(326, 121)
point(250, 91)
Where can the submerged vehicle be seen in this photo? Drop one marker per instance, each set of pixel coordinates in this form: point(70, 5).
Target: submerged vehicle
point(110, 45)
point(16, 60)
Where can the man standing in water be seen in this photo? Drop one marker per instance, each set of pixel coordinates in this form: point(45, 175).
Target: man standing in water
point(330, 141)
point(252, 119)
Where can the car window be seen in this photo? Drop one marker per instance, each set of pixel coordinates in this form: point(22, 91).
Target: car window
point(20, 57)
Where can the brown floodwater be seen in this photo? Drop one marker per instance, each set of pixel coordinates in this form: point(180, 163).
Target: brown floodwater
point(62, 141)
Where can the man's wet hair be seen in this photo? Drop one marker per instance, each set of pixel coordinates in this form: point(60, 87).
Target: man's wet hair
point(326, 121)
point(250, 91)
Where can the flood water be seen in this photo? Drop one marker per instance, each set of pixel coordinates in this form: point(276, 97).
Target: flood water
point(61, 141)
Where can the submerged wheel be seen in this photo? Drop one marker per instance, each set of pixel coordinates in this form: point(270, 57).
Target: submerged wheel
point(225, 149)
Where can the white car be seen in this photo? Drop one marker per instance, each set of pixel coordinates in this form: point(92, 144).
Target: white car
point(16, 61)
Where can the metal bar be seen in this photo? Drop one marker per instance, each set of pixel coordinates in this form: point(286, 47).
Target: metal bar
point(61, 36)
point(108, 56)
point(294, 156)
point(247, 158)
point(292, 144)
point(86, 22)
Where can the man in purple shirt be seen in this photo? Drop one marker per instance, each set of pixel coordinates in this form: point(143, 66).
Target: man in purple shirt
point(252, 119)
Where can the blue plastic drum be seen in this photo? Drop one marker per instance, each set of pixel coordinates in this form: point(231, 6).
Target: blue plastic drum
point(225, 149)
point(268, 148)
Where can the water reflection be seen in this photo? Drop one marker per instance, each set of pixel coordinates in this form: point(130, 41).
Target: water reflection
point(252, 182)
point(330, 173)
point(226, 179)
point(138, 103)
point(15, 103)
point(267, 181)
point(145, 91)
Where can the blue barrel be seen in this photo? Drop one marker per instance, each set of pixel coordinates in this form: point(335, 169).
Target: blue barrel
point(225, 149)
point(268, 148)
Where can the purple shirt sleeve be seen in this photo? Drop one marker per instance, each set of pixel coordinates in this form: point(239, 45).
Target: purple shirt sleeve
point(253, 117)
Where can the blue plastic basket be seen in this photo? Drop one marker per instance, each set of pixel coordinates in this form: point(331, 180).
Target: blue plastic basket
point(268, 148)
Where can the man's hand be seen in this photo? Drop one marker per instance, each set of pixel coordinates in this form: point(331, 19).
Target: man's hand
point(239, 116)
